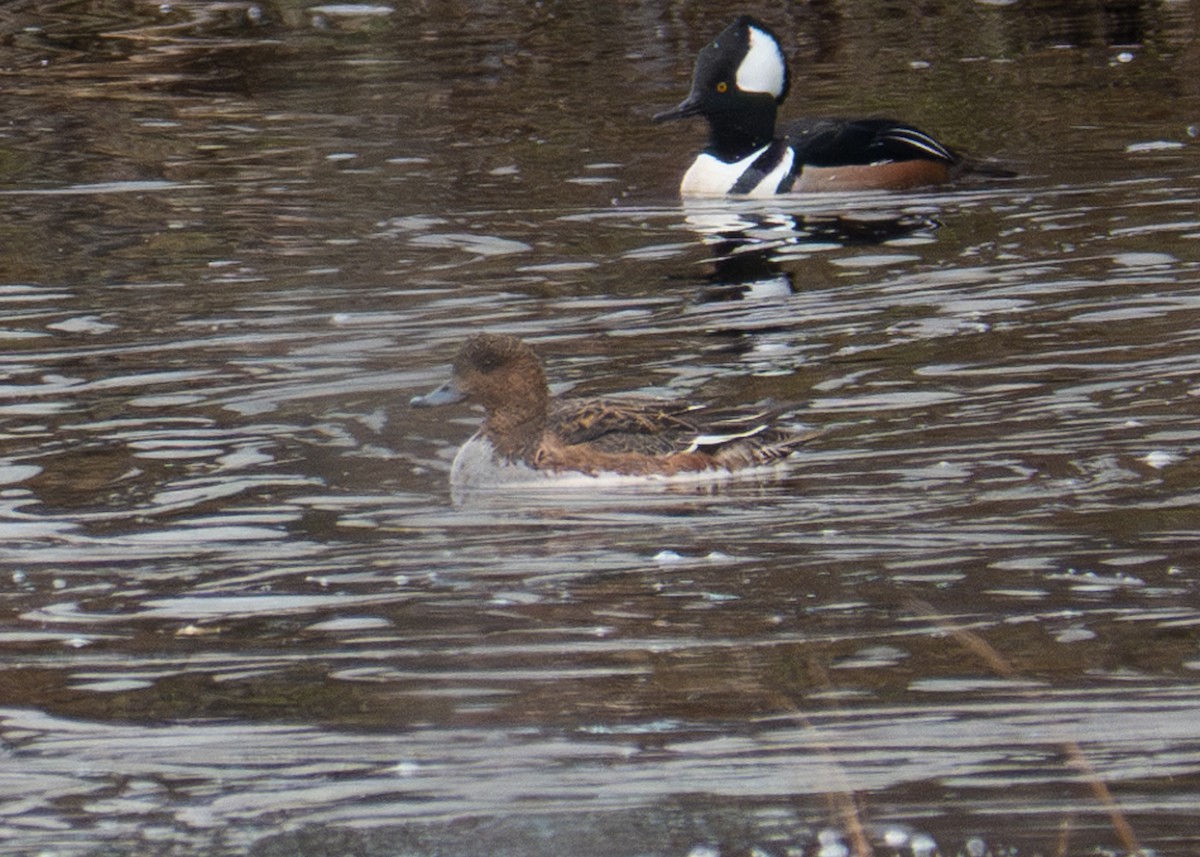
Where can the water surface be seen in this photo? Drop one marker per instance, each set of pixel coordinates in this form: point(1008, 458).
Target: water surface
point(242, 613)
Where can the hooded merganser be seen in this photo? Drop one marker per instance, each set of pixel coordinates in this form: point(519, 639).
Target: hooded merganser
point(739, 83)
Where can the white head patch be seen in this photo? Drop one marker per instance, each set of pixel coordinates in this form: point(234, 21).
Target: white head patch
point(763, 68)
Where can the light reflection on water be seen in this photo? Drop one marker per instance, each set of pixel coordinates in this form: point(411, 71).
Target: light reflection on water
point(243, 612)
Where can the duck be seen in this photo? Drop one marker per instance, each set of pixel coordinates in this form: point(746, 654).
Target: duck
point(740, 80)
point(529, 435)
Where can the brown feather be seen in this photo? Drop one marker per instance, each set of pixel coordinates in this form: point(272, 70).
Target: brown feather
point(629, 436)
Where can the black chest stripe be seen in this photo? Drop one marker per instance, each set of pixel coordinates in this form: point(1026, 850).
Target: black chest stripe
point(762, 167)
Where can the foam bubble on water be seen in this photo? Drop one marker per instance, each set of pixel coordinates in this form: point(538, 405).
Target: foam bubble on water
point(1158, 459)
point(831, 844)
point(1074, 635)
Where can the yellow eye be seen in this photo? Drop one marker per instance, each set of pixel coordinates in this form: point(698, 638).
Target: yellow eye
point(722, 87)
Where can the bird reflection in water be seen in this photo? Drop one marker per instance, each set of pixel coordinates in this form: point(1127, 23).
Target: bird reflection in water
point(749, 248)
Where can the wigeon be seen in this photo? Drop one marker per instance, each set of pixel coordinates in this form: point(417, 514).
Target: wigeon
point(527, 434)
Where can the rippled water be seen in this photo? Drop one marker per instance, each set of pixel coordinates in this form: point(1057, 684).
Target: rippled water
point(242, 614)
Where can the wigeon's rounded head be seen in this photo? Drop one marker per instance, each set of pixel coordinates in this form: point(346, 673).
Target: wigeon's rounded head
point(500, 371)
point(487, 352)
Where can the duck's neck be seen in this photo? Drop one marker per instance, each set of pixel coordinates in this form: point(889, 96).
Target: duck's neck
point(515, 439)
point(515, 425)
point(734, 135)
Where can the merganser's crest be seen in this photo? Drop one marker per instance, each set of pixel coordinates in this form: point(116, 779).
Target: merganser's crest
point(764, 68)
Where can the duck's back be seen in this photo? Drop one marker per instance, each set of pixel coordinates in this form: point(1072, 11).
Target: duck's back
point(664, 428)
point(627, 425)
point(861, 142)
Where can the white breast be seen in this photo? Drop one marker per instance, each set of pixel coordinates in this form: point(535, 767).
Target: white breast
point(478, 466)
point(710, 176)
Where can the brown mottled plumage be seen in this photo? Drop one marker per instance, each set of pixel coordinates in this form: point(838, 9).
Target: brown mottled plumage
point(632, 437)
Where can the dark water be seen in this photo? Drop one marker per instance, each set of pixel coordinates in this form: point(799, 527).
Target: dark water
point(241, 613)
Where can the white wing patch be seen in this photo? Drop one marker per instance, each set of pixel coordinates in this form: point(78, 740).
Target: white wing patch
point(762, 69)
point(717, 439)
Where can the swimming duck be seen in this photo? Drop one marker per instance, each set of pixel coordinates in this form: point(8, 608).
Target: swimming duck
point(740, 80)
point(528, 434)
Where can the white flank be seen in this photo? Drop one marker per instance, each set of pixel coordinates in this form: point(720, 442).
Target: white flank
point(762, 70)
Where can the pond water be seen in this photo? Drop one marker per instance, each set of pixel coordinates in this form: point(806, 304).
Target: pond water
point(241, 613)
